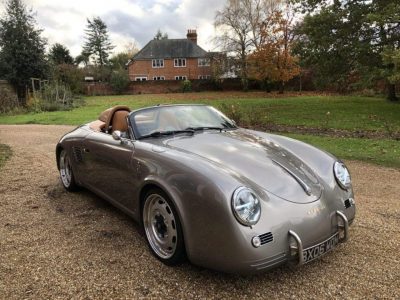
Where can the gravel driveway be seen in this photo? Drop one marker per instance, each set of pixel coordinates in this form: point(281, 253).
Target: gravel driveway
point(55, 244)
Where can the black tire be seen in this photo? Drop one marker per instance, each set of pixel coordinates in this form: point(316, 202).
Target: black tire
point(66, 173)
point(162, 227)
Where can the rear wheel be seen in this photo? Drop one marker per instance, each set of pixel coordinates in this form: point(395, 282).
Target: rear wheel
point(162, 227)
point(66, 173)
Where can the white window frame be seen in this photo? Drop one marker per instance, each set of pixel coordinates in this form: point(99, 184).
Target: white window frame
point(182, 77)
point(180, 62)
point(204, 77)
point(157, 63)
point(157, 78)
point(203, 62)
point(141, 78)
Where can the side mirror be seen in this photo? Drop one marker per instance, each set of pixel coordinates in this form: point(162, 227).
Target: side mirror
point(116, 135)
point(234, 122)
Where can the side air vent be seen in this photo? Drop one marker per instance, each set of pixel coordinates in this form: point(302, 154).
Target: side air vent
point(266, 238)
point(77, 154)
point(347, 203)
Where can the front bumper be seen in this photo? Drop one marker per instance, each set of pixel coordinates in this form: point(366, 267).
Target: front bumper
point(284, 239)
point(298, 249)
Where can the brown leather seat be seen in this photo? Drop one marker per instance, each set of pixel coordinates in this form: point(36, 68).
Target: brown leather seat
point(119, 121)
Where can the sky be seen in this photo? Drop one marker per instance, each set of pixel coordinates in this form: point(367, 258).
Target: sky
point(128, 21)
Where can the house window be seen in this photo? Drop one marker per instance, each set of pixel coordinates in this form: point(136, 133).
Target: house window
point(203, 62)
point(180, 77)
point(158, 78)
point(204, 76)
point(180, 62)
point(158, 63)
point(141, 78)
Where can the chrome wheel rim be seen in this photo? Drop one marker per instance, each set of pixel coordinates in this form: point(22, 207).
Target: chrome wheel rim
point(65, 169)
point(160, 226)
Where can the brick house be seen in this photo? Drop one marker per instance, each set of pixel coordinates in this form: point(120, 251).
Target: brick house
point(171, 59)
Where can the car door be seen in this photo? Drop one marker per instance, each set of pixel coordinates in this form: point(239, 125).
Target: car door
point(110, 168)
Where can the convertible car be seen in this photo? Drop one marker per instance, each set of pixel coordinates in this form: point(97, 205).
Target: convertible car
point(227, 198)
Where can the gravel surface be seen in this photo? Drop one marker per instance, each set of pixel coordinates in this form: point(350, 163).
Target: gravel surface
point(55, 244)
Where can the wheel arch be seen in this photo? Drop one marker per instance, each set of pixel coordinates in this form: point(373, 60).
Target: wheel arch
point(152, 184)
point(59, 148)
point(148, 186)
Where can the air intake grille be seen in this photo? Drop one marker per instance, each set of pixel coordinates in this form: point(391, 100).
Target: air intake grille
point(77, 154)
point(266, 238)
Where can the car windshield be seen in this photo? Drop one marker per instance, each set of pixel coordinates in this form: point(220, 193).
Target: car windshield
point(166, 120)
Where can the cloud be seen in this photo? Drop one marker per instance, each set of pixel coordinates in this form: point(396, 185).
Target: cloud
point(127, 20)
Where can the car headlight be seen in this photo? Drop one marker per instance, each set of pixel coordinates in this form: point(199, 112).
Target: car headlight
point(246, 206)
point(342, 175)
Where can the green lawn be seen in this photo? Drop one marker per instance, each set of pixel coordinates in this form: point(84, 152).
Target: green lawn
point(349, 113)
point(382, 152)
point(345, 112)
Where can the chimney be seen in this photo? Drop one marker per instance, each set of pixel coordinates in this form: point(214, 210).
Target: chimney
point(192, 35)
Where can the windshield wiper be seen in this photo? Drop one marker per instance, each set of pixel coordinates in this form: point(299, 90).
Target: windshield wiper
point(169, 132)
point(205, 128)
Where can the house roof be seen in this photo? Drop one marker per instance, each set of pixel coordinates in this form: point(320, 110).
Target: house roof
point(170, 48)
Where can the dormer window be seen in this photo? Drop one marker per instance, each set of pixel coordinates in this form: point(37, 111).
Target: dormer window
point(180, 62)
point(158, 63)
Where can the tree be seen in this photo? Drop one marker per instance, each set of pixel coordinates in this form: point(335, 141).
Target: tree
point(22, 54)
point(84, 58)
point(239, 22)
point(344, 41)
point(97, 42)
point(59, 54)
point(384, 18)
point(131, 48)
point(160, 35)
point(119, 81)
point(119, 60)
point(273, 60)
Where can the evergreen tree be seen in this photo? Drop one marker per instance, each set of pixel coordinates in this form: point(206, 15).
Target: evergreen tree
point(97, 43)
point(160, 35)
point(84, 58)
point(59, 54)
point(22, 54)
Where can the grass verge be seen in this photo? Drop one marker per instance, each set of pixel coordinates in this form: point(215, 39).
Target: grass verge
point(382, 152)
point(5, 154)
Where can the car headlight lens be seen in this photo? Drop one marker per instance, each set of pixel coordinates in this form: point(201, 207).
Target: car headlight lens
point(246, 206)
point(342, 175)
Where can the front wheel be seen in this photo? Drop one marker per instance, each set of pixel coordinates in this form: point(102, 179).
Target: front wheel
point(163, 228)
point(66, 174)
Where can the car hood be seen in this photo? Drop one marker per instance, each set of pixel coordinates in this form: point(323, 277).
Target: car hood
point(256, 160)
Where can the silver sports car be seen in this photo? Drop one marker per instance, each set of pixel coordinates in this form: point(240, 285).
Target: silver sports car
point(227, 198)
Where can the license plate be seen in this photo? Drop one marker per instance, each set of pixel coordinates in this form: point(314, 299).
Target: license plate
point(316, 251)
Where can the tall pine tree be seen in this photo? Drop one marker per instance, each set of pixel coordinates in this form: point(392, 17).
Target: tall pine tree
point(22, 49)
point(97, 43)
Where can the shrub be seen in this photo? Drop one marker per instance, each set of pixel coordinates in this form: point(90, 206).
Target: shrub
point(119, 81)
point(56, 96)
point(8, 100)
point(186, 86)
point(71, 75)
